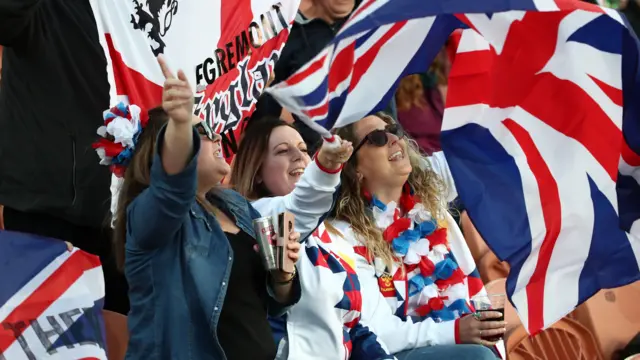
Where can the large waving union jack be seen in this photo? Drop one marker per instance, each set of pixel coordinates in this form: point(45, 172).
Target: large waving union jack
point(533, 130)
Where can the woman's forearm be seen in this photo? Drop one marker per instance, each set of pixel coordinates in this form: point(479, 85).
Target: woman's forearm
point(282, 290)
point(177, 147)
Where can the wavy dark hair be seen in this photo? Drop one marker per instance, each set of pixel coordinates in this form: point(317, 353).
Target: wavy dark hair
point(137, 177)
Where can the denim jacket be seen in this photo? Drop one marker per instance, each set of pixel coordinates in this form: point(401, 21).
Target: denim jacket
point(178, 262)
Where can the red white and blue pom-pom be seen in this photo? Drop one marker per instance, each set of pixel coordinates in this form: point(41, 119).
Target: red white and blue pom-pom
point(118, 136)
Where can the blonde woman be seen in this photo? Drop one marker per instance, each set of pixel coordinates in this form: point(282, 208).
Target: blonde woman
point(392, 209)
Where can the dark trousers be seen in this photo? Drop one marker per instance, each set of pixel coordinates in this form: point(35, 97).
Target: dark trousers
point(96, 241)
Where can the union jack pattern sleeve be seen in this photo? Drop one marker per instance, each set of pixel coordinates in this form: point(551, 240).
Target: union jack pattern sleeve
point(325, 323)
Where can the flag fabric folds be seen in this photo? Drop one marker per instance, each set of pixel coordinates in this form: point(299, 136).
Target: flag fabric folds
point(51, 300)
point(533, 129)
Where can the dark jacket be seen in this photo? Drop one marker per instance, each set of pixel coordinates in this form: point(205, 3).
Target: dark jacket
point(54, 90)
point(178, 261)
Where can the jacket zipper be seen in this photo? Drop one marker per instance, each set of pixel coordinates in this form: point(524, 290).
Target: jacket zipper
point(73, 174)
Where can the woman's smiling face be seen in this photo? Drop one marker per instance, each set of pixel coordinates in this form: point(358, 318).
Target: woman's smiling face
point(284, 162)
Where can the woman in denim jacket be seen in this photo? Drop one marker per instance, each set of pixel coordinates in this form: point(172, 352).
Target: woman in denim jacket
point(196, 284)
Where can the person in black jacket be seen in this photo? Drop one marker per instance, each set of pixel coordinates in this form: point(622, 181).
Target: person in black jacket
point(54, 90)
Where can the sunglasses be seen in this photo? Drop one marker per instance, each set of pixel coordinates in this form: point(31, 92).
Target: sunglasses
point(203, 129)
point(379, 138)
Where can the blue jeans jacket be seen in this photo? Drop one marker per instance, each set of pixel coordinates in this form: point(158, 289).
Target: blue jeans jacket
point(177, 264)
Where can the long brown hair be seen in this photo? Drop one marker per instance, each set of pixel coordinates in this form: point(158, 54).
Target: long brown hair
point(353, 208)
point(252, 151)
point(136, 177)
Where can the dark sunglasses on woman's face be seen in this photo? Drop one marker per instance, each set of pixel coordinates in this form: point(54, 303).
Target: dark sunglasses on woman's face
point(379, 138)
point(203, 129)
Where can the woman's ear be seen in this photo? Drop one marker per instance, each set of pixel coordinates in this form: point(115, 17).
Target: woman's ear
point(257, 178)
point(360, 176)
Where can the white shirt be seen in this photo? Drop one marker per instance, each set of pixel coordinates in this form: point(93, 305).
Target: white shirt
point(323, 323)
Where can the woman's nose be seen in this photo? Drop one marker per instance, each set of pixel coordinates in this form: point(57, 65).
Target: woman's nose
point(393, 139)
point(297, 154)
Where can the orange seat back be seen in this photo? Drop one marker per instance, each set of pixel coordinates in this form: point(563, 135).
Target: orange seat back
point(117, 334)
point(612, 316)
point(566, 339)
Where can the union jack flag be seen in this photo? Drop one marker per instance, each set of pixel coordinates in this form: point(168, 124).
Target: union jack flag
point(533, 131)
point(50, 300)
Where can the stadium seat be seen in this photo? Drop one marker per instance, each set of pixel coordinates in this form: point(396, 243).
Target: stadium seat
point(565, 340)
point(117, 334)
point(612, 316)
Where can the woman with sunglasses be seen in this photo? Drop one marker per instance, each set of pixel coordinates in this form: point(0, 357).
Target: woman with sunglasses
point(197, 287)
point(392, 210)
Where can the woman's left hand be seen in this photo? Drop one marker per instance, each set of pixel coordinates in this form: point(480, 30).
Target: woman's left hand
point(293, 250)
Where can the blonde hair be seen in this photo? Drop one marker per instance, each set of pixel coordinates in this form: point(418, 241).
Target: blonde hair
point(353, 208)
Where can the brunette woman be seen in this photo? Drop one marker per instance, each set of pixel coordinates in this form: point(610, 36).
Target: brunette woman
point(274, 170)
point(197, 287)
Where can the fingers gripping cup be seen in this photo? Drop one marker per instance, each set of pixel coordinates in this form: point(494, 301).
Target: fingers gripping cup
point(490, 302)
point(266, 237)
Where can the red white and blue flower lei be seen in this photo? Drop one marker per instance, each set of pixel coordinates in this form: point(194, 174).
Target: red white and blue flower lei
point(118, 136)
point(436, 285)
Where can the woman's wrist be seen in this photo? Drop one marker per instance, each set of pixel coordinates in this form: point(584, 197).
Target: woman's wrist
point(283, 278)
point(326, 165)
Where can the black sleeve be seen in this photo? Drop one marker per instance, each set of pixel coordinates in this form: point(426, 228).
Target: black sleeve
point(18, 22)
